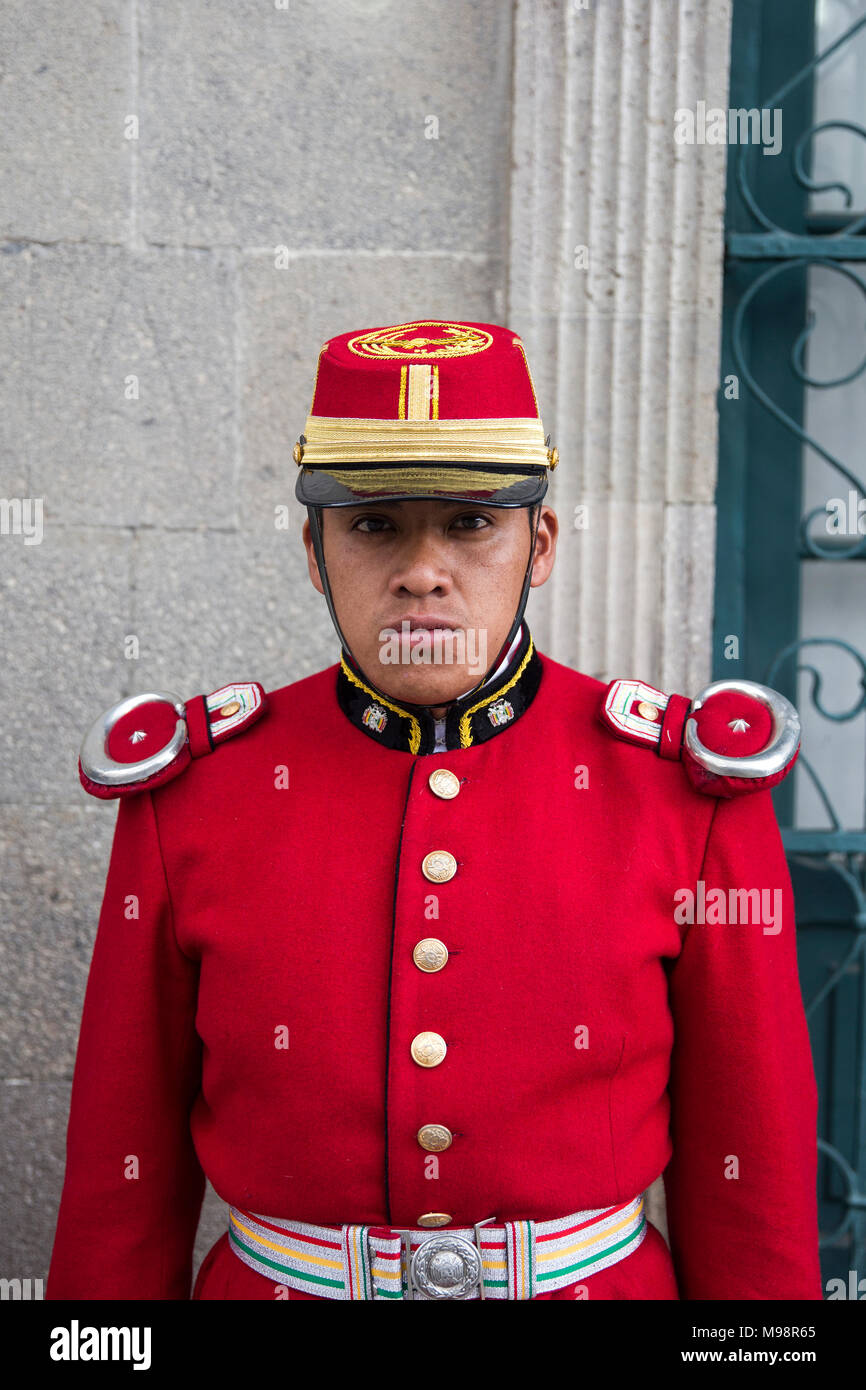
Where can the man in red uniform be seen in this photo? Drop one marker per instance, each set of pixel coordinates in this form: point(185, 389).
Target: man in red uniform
point(436, 969)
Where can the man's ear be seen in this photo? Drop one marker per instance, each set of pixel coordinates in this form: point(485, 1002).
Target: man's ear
point(545, 546)
point(312, 562)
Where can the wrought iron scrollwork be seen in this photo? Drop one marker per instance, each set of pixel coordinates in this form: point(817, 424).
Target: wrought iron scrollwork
point(746, 192)
point(849, 866)
point(810, 544)
point(811, 185)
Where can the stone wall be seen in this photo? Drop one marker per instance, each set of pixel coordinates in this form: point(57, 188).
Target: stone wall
point(192, 199)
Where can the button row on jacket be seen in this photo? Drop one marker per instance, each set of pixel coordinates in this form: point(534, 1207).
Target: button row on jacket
point(430, 955)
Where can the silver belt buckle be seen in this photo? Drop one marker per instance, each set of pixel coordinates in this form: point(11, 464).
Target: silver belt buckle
point(443, 1266)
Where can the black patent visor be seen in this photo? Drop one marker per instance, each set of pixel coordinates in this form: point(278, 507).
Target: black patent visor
point(352, 484)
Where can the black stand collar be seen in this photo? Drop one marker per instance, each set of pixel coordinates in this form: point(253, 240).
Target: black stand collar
point(482, 713)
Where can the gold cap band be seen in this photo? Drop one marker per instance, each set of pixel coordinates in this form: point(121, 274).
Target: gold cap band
point(333, 440)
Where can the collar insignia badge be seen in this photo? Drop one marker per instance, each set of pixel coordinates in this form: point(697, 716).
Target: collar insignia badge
point(375, 718)
point(500, 713)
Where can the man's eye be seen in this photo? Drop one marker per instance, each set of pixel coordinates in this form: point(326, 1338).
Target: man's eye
point(466, 521)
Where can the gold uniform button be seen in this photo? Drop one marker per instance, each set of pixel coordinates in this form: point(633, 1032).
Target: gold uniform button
point(443, 783)
point(428, 1049)
point(431, 954)
point(231, 708)
point(435, 1218)
point(648, 711)
point(439, 866)
point(435, 1138)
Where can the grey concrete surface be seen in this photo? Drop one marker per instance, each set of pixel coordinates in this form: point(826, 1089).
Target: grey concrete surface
point(157, 367)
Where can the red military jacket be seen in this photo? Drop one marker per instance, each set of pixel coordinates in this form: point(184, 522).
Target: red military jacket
point(253, 996)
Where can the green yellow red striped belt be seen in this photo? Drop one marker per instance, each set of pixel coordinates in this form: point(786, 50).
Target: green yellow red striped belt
point(511, 1259)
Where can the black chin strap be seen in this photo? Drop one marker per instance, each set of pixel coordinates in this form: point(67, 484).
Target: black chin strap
point(315, 516)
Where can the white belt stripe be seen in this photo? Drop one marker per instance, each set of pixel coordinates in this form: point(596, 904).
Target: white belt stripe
point(519, 1258)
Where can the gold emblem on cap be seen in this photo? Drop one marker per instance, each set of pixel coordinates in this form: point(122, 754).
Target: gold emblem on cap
point(435, 1218)
point(428, 1049)
point(408, 340)
point(226, 711)
point(434, 1138)
point(444, 783)
point(439, 866)
point(298, 452)
point(430, 955)
point(553, 456)
point(648, 711)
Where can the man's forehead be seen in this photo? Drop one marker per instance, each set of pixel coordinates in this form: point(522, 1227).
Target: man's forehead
point(416, 503)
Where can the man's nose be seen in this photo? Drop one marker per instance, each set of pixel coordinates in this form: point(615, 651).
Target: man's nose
point(422, 561)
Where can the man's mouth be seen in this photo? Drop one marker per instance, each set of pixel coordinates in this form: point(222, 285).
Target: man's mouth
point(430, 624)
point(420, 628)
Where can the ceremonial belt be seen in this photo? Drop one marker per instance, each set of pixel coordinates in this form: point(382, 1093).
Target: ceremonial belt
point(514, 1259)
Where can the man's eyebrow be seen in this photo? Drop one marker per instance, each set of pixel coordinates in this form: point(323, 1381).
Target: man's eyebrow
point(445, 503)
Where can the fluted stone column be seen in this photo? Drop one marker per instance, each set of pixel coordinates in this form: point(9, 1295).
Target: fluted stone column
point(615, 278)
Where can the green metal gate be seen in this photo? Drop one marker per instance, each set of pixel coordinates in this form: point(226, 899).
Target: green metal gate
point(776, 244)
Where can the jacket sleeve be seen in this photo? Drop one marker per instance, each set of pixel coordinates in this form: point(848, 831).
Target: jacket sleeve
point(741, 1187)
point(133, 1185)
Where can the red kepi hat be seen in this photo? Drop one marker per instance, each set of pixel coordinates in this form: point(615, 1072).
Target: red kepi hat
point(432, 408)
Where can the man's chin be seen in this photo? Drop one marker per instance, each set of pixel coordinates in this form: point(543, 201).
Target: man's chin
point(418, 689)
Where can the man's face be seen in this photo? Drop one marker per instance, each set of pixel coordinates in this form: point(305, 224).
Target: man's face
point(455, 566)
